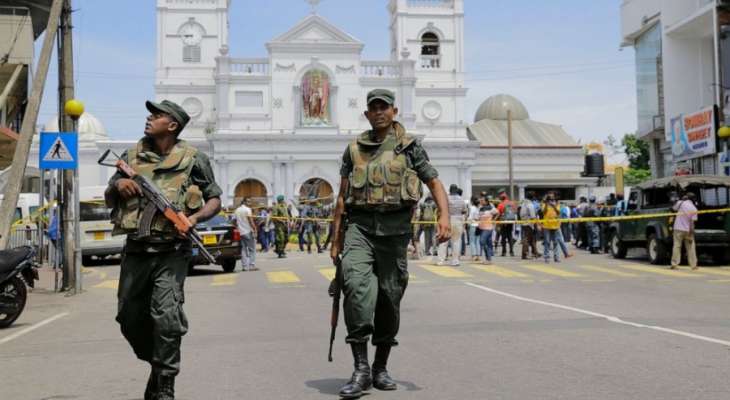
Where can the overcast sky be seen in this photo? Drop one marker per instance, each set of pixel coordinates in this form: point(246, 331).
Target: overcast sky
point(560, 57)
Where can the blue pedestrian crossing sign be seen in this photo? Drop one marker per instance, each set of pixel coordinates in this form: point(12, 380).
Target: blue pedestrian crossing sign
point(59, 150)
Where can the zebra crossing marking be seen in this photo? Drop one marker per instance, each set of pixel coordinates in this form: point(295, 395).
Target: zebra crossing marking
point(661, 271)
point(224, 280)
point(446, 272)
point(108, 284)
point(552, 271)
point(609, 271)
point(282, 277)
point(500, 271)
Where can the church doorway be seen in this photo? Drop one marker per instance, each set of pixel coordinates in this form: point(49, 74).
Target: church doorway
point(317, 188)
point(252, 188)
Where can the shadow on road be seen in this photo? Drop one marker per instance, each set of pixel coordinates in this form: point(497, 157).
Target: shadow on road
point(332, 386)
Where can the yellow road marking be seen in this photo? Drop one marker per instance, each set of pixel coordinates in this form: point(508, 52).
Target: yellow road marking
point(328, 273)
point(446, 272)
point(552, 271)
point(661, 271)
point(500, 271)
point(224, 280)
point(714, 271)
point(108, 284)
point(282, 277)
point(609, 271)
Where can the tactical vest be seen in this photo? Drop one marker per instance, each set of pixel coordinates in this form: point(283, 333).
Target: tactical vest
point(171, 175)
point(381, 176)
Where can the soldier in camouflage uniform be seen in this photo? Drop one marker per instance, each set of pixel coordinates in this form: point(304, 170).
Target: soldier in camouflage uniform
point(381, 177)
point(153, 269)
point(280, 215)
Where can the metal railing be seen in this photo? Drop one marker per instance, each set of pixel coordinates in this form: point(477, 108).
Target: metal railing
point(259, 67)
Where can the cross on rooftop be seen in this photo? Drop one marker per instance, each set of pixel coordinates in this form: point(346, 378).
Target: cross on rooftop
point(314, 4)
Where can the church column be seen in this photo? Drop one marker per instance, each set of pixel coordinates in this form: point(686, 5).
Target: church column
point(224, 184)
point(289, 181)
point(276, 182)
point(407, 89)
point(223, 82)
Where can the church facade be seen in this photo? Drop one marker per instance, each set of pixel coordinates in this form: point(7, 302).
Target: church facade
point(278, 123)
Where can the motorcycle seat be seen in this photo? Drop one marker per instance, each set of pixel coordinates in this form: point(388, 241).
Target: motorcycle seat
point(9, 259)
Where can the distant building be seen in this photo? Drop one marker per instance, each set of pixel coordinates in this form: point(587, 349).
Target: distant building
point(682, 54)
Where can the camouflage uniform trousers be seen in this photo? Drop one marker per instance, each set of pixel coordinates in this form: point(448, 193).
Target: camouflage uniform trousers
point(375, 274)
point(281, 238)
point(150, 306)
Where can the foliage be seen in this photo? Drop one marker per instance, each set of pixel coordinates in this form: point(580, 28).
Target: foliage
point(635, 176)
point(637, 152)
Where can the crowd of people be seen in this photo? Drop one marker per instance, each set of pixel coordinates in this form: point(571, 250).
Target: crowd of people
point(484, 225)
point(270, 227)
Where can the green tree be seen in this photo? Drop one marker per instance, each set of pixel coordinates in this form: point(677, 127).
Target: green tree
point(634, 176)
point(637, 151)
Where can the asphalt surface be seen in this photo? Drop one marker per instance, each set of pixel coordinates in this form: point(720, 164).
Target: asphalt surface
point(588, 328)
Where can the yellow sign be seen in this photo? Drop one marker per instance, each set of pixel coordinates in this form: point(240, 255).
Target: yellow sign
point(618, 174)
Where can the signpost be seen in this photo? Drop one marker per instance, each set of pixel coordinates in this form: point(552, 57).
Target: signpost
point(59, 150)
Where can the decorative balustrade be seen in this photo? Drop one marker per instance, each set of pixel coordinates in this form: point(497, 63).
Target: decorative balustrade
point(384, 69)
point(430, 61)
point(257, 67)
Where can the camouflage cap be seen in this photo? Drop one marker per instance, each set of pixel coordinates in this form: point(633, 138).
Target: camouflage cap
point(170, 108)
point(381, 94)
point(280, 198)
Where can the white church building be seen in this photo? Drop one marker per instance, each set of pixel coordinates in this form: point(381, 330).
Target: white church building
point(279, 122)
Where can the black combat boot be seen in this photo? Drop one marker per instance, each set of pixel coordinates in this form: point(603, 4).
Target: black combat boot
point(166, 387)
point(150, 391)
point(381, 379)
point(361, 380)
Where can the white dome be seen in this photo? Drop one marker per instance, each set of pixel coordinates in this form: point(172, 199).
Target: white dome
point(495, 108)
point(90, 128)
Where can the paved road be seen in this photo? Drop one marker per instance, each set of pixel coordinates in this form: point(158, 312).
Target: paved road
point(590, 328)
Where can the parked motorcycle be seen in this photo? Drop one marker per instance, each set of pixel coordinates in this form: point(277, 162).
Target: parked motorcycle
point(17, 269)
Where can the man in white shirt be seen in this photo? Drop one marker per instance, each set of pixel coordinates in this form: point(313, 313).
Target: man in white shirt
point(247, 228)
point(457, 212)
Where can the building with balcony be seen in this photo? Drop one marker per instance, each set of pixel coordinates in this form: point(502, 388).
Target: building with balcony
point(678, 75)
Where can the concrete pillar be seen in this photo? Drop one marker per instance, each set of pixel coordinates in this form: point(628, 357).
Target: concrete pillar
point(289, 181)
point(521, 192)
point(276, 185)
point(224, 182)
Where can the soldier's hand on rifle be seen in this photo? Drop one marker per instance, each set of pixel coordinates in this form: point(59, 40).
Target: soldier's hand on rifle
point(128, 188)
point(335, 251)
point(444, 229)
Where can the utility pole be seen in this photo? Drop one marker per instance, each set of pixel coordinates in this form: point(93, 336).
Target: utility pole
point(22, 148)
point(509, 155)
point(68, 205)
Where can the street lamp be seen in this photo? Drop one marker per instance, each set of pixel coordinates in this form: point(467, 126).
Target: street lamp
point(74, 108)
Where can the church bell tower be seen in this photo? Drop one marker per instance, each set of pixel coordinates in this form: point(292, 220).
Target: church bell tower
point(190, 35)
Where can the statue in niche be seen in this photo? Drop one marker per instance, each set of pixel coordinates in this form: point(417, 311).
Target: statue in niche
point(315, 99)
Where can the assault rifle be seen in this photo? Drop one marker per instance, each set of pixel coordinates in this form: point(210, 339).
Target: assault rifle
point(334, 291)
point(157, 203)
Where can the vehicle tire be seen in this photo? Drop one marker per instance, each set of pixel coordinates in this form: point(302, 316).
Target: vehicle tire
point(617, 247)
point(656, 250)
point(86, 261)
point(229, 264)
point(12, 293)
point(720, 257)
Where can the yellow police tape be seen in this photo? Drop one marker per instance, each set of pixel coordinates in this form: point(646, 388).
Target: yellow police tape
point(539, 221)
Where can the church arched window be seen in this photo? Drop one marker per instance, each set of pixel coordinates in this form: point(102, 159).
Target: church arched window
point(315, 98)
point(430, 54)
point(429, 44)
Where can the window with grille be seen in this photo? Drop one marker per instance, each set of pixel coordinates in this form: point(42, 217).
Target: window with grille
point(191, 54)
